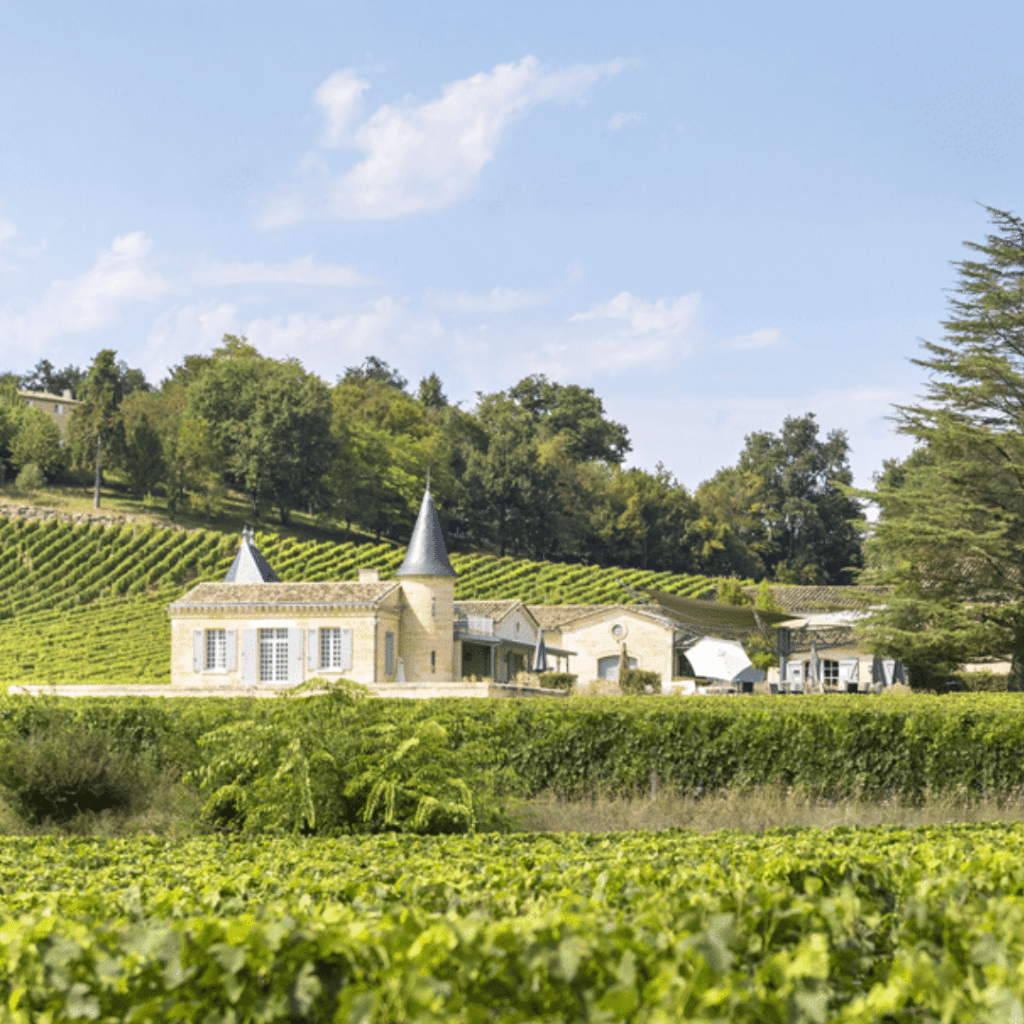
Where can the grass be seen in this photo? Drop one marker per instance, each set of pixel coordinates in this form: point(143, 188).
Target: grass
point(754, 811)
point(236, 512)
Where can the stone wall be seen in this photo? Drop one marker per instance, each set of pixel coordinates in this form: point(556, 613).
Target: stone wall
point(14, 510)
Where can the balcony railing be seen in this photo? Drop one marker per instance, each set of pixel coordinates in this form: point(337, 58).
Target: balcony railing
point(474, 625)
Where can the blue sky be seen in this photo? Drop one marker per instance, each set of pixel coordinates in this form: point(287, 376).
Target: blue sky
point(714, 216)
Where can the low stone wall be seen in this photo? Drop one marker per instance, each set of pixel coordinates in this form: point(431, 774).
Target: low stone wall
point(413, 691)
point(511, 690)
point(13, 510)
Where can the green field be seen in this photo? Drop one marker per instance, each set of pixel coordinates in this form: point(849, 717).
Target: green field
point(81, 604)
point(797, 926)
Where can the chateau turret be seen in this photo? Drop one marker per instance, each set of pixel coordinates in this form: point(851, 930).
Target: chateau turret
point(428, 583)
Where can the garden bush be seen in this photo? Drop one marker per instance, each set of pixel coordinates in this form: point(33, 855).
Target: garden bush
point(58, 774)
point(30, 478)
point(557, 680)
point(636, 681)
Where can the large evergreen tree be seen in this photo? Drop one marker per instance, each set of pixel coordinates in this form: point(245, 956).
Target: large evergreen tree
point(950, 535)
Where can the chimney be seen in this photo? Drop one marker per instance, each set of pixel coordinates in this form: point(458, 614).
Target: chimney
point(67, 392)
point(369, 575)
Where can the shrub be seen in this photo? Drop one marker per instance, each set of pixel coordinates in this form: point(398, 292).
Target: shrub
point(557, 680)
point(985, 681)
point(635, 680)
point(57, 774)
point(30, 478)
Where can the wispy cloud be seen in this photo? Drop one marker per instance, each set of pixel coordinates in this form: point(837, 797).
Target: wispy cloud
point(617, 121)
point(497, 300)
point(7, 230)
point(418, 156)
point(119, 278)
point(768, 338)
point(305, 272)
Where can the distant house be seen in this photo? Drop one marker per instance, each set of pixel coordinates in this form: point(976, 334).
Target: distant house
point(253, 630)
point(57, 407)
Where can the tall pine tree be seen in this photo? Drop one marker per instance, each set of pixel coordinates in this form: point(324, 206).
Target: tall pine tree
point(950, 535)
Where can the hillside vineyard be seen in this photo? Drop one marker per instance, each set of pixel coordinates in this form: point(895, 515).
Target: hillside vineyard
point(88, 603)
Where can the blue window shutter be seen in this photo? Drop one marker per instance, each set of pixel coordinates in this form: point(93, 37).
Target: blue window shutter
point(295, 670)
point(249, 656)
point(346, 650)
point(197, 650)
point(231, 649)
point(313, 651)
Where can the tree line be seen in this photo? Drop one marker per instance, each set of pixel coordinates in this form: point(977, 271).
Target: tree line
point(535, 470)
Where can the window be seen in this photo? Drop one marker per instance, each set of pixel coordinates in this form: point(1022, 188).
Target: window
point(433, 661)
point(389, 654)
point(433, 607)
point(830, 672)
point(274, 655)
point(216, 650)
point(332, 653)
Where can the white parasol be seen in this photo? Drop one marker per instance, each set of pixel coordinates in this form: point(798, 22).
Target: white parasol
point(718, 659)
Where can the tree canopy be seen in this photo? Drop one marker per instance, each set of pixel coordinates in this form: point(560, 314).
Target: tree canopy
point(950, 534)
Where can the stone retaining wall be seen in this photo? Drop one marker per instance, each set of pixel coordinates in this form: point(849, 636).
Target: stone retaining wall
point(13, 510)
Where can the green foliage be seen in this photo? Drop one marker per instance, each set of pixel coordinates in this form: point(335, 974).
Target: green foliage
point(803, 926)
point(557, 680)
point(55, 775)
point(30, 478)
point(731, 592)
point(269, 421)
point(144, 461)
point(637, 681)
point(318, 767)
point(950, 535)
point(38, 442)
point(984, 681)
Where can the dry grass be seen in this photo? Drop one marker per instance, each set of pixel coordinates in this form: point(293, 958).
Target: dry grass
point(752, 811)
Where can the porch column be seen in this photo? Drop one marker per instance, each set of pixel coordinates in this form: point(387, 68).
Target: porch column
point(490, 647)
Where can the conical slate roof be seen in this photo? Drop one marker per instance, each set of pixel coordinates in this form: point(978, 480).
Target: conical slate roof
point(426, 554)
point(249, 565)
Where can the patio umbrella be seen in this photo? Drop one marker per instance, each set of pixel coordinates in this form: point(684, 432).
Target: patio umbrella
point(815, 666)
point(540, 654)
point(877, 671)
point(899, 673)
point(718, 659)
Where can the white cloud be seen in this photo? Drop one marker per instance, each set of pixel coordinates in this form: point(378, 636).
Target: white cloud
point(420, 156)
point(183, 331)
point(327, 344)
point(497, 300)
point(7, 230)
point(627, 316)
point(340, 97)
point(92, 300)
point(305, 271)
point(768, 338)
point(617, 121)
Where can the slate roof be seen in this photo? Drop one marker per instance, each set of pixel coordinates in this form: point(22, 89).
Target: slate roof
point(496, 610)
point(249, 565)
point(226, 596)
point(426, 554)
point(820, 599)
point(555, 616)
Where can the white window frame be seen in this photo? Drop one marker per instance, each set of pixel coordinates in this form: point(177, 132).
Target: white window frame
point(215, 650)
point(273, 654)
